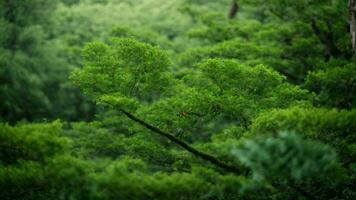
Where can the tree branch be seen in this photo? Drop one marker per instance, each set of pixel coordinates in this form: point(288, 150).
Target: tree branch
point(213, 160)
point(184, 145)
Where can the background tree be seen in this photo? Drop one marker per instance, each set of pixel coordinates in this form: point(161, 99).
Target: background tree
point(21, 40)
point(34, 78)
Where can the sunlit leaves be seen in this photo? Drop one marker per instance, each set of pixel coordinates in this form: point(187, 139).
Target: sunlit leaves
point(125, 67)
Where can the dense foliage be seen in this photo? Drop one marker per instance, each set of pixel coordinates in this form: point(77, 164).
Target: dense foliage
point(180, 99)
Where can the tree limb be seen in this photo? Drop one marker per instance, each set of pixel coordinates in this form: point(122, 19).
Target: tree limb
point(213, 160)
point(184, 145)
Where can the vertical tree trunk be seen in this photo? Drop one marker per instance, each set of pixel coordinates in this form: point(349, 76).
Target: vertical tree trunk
point(352, 12)
point(233, 9)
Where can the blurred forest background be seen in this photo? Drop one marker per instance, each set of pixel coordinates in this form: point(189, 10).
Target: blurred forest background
point(259, 93)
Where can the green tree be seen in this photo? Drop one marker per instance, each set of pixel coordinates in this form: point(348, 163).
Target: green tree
point(20, 46)
point(34, 77)
point(194, 105)
point(236, 92)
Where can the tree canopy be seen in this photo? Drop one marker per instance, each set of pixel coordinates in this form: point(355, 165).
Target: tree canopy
point(181, 99)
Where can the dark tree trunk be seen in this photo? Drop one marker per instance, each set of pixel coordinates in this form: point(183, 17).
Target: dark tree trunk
point(352, 12)
point(234, 9)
